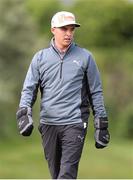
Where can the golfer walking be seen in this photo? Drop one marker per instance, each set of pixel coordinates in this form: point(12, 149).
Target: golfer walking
point(69, 82)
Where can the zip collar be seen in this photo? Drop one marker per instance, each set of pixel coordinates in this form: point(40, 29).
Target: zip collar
point(52, 44)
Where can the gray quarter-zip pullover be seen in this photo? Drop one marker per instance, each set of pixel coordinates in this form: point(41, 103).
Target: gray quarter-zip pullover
point(69, 84)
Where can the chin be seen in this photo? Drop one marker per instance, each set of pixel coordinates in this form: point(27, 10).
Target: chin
point(67, 43)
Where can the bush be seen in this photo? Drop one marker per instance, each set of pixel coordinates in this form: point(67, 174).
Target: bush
point(105, 23)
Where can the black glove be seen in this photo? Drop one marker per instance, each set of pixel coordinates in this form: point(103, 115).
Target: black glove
point(24, 121)
point(102, 135)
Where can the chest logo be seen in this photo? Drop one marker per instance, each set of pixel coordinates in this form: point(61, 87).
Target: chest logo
point(77, 62)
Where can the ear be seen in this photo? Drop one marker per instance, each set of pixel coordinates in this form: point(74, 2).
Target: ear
point(53, 31)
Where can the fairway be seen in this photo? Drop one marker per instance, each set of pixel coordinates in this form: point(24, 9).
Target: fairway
point(24, 159)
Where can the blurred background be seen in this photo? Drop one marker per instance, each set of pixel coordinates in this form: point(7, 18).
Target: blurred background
point(107, 31)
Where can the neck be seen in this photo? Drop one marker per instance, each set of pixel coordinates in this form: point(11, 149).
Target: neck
point(62, 49)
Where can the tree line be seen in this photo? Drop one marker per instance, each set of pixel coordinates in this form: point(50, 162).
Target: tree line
point(106, 30)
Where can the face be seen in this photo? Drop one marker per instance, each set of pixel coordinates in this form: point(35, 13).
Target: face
point(63, 35)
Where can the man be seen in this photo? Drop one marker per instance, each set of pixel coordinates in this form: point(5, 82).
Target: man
point(70, 83)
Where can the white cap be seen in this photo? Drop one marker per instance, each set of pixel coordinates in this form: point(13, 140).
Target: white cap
point(63, 18)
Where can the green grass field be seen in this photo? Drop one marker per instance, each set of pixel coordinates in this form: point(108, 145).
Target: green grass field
point(23, 158)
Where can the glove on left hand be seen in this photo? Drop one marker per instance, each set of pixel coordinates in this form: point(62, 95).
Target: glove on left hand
point(102, 135)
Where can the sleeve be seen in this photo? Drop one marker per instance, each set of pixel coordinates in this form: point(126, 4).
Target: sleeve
point(31, 84)
point(95, 89)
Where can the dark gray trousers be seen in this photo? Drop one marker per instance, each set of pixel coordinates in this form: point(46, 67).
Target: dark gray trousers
point(63, 146)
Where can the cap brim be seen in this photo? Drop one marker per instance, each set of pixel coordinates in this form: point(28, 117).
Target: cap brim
point(77, 25)
point(66, 24)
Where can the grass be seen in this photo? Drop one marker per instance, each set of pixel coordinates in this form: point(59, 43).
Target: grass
point(23, 158)
point(114, 162)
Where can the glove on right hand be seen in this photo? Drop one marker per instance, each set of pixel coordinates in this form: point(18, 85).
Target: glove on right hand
point(24, 121)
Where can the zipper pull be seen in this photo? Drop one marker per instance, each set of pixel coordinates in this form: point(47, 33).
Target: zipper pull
point(61, 68)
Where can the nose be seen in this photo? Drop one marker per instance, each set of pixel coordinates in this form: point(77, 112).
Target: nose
point(69, 33)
